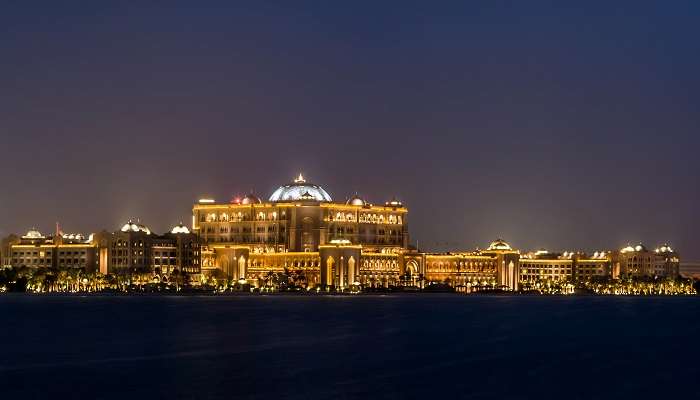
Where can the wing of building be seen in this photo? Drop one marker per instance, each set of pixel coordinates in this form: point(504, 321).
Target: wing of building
point(133, 249)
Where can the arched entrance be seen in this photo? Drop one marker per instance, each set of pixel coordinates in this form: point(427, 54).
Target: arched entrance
point(330, 263)
point(352, 275)
point(225, 265)
point(241, 268)
point(411, 272)
point(308, 241)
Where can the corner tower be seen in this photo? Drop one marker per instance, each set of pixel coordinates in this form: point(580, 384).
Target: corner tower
point(508, 263)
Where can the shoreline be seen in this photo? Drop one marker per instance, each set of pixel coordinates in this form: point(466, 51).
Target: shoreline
point(371, 294)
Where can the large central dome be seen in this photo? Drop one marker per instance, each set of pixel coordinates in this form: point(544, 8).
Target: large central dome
point(300, 190)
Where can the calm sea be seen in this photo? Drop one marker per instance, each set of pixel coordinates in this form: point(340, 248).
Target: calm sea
point(391, 347)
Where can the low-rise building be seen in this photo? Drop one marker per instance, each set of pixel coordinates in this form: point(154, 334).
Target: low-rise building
point(543, 265)
point(34, 250)
point(638, 261)
point(135, 249)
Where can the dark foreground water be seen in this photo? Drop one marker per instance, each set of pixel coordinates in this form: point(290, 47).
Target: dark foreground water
point(394, 347)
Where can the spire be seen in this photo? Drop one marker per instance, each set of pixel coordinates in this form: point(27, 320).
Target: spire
point(300, 179)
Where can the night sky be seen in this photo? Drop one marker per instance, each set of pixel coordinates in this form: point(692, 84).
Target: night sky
point(550, 125)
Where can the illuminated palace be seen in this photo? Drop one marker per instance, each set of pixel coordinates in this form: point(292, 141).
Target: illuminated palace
point(334, 245)
point(341, 244)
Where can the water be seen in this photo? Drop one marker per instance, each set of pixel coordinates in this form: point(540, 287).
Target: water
point(393, 347)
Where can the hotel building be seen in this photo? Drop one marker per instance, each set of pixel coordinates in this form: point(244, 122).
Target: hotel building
point(341, 244)
point(638, 261)
point(334, 245)
point(133, 249)
point(569, 266)
point(35, 250)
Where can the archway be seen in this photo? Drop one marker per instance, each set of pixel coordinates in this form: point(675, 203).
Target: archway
point(330, 263)
point(351, 271)
point(411, 272)
point(308, 241)
point(241, 268)
point(225, 265)
point(512, 282)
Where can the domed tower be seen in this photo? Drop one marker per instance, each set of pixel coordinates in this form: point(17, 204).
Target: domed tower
point(508, 267)
point(634, 261)
point(306, 229)
point(187, 249)
point(130, 247)
point(667, 261)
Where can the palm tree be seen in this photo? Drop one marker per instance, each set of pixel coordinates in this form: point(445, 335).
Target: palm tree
point(300, 278)
point(112, 280)
point(123, 279)
point(74, 278)
point(62, 278)
point(268, 278)
point(142, 274)
point(38, 281)
point(177, 279)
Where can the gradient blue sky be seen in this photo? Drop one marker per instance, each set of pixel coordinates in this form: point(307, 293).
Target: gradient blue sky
point(566, 126)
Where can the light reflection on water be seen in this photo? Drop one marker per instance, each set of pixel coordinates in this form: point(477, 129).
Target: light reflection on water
point(384, 346)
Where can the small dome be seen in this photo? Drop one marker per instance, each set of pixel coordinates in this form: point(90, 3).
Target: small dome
point(33, 234)
point(628, 249)
point(180, 228)
point(393, 203)
point(135, 227)
point(355, 200)
point(300, 190)
point(73, 236)
point(251, 199)
point(665, 248)
point(499, 244)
